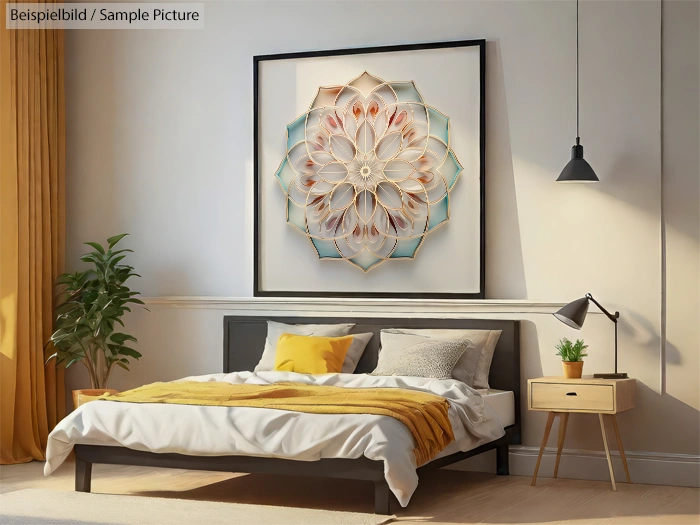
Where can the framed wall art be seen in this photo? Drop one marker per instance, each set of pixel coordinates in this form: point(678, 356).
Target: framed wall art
point(369, 172)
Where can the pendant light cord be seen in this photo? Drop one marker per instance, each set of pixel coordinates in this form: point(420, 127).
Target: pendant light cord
point(577, 81)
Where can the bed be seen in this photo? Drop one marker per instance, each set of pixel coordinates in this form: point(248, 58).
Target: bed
point(244, 338)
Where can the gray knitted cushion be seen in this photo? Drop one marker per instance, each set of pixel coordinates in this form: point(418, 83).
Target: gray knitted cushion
point(431, 358)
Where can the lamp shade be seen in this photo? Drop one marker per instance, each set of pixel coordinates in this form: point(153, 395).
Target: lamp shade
point(574, 313)
point(577, 169)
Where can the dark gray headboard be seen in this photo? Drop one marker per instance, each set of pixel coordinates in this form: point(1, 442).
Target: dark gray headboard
point(244, 340)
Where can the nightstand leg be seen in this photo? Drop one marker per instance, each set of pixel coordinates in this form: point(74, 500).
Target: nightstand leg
point(620, 448)
point(563, 420)
point(607, 451)
point(547, 428)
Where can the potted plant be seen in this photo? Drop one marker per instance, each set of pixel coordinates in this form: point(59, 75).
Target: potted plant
point(90, 306)
point(572, 355)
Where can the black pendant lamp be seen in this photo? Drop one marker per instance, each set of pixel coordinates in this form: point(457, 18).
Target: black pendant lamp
point(577, 170)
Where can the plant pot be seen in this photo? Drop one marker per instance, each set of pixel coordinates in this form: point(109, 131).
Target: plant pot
point(572, 369)
point(80, 397)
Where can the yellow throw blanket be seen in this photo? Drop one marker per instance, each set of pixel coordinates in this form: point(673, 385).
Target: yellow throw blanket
point(424, 414)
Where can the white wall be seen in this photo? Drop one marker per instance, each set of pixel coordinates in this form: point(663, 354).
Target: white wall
point(160, 145)
point(681, 190)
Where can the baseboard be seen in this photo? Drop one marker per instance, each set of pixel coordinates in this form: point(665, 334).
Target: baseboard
point(650, 468)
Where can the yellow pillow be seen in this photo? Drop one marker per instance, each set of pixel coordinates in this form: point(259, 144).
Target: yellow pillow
point(308, 354)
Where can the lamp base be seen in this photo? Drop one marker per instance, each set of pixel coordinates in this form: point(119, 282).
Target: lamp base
point(611, 375)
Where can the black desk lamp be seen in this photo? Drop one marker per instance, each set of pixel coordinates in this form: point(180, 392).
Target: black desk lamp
point(574, 314)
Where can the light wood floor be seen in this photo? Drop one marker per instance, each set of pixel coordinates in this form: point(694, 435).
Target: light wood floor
point(443, 497)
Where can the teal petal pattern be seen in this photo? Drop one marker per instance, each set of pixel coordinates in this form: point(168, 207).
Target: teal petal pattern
point(450, 170)
point(295, 215)
point(439, 125)
point(296, 131)
point(326, 249)
point(285, 174)
point(368, 171)
point(440, 213)
point(366, 260)
point(407, 248)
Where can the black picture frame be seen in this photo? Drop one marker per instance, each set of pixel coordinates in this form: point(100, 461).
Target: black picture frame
point(257, 290)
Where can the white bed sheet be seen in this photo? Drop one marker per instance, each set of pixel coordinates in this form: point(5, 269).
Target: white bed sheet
point(220, 431)
point(503, 403)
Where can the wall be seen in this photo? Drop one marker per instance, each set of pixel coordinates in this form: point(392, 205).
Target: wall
point(681, 121)
point(160, 145)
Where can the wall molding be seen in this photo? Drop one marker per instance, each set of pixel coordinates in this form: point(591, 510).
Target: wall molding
point(652, 468)
point(426, 307)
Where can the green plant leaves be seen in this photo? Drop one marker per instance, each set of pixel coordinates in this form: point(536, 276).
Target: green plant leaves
point(122, 338)
point(97, 247)
point(115, 239)
point(89, 305)
point(122, 363)
point(125, 350)
point(115, 260)
point(571, 351)
point(93, 257)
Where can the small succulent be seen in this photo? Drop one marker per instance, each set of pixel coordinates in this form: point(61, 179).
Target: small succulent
point(571, 352)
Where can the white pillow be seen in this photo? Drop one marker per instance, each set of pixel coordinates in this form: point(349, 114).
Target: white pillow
point(355, 351)
point(474, 366)
point(275, 330)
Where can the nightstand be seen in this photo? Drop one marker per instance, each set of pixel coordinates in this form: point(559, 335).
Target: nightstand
point(561, 396)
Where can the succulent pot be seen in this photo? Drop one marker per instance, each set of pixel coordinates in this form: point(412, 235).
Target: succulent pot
point(80, 397)
point(572, 369)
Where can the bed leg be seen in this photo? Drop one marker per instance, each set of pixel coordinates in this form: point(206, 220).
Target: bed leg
point(83, 475)
point(382, 496)
point(502, 460)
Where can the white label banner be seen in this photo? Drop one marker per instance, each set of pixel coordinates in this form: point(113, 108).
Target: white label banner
point(105, 16)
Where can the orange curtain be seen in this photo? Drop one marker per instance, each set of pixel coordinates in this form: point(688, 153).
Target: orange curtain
point(32, 235)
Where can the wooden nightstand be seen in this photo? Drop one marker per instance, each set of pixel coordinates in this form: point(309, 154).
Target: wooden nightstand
point(560, 396)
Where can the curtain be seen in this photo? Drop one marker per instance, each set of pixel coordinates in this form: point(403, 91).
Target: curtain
point(32, 226)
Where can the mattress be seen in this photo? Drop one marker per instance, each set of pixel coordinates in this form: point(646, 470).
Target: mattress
point(503, 403)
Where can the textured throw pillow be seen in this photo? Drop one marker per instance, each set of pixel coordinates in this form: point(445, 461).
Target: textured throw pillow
point(475, 364)
point(465, 368)
point(429, 358)
point(275, 330)
point(308, 354)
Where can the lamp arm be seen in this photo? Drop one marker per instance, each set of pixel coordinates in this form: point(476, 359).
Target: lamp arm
point(613, 317)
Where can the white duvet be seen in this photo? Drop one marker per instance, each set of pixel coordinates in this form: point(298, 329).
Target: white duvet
point(222, 431)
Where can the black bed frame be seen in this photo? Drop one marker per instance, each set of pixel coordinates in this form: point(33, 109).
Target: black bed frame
point(244, 339)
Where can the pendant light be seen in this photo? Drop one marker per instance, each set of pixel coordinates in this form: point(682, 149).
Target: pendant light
point(577, 169)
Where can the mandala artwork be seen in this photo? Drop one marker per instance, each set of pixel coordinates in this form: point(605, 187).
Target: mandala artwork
point(368, 171)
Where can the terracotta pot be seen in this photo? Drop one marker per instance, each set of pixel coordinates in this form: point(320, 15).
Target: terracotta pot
point(572, 369)
point(80, 397)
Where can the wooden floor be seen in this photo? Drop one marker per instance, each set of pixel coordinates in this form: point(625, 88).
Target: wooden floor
point(443, 497)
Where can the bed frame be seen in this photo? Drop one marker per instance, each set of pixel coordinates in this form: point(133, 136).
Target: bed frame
point(244, 339)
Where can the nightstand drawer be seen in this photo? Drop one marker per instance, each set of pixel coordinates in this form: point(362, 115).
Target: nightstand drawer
point(562, 396)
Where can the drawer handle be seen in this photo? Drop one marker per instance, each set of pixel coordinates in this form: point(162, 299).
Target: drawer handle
point(571, 393)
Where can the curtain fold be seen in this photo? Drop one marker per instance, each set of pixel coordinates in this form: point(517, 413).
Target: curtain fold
point(32, 235)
